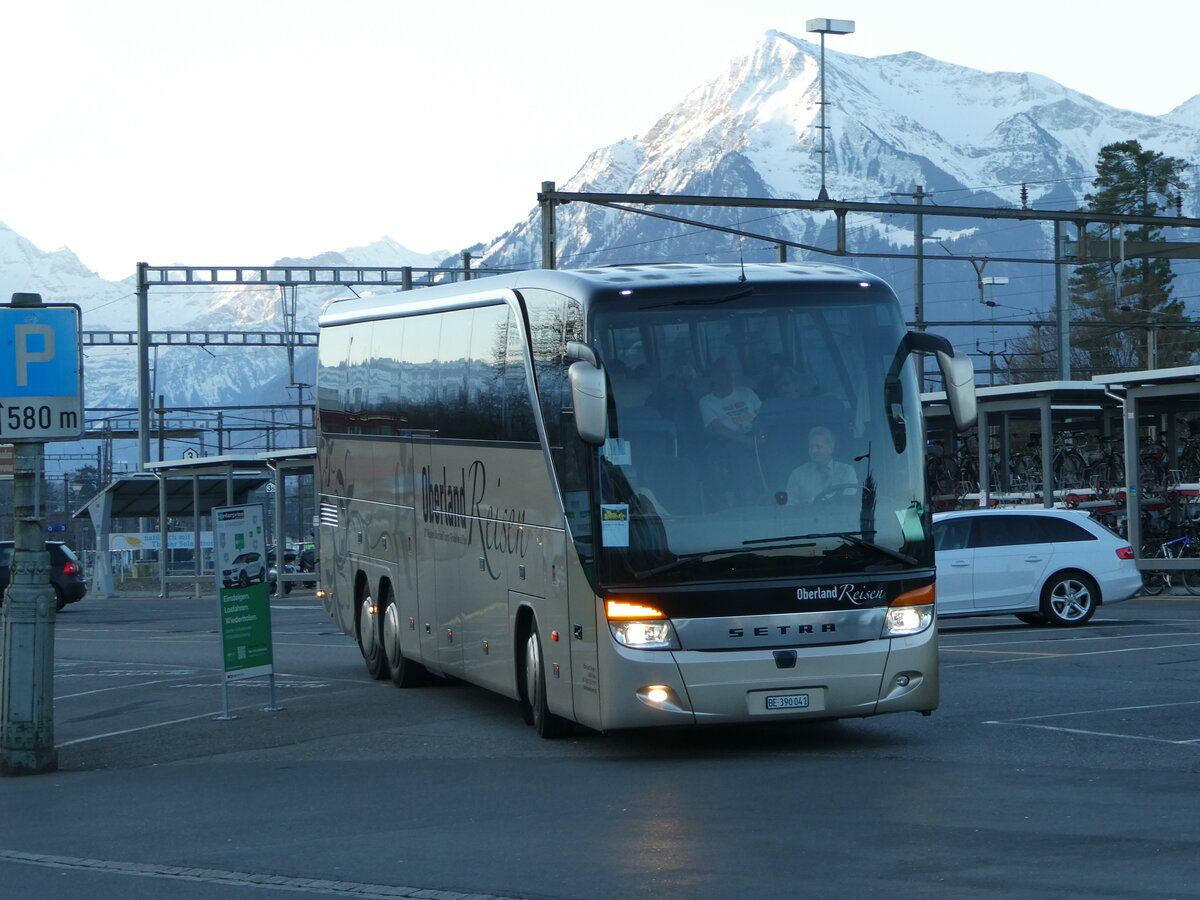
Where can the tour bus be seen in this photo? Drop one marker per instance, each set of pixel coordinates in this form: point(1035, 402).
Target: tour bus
point(594, 492)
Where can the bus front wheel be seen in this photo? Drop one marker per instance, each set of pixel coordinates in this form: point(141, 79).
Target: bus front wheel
point(535, 709)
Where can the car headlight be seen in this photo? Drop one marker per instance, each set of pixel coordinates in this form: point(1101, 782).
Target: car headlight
point(910, 613)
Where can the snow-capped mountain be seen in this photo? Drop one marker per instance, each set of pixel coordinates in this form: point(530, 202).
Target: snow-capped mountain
point(894, 122)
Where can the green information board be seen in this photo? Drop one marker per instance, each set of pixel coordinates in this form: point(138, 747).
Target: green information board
point(245, 604)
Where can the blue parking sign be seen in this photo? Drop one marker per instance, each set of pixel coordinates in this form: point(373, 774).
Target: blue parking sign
point(41, 373)
point(40, 351)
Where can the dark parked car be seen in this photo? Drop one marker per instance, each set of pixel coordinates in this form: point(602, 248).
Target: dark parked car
point(66, 572)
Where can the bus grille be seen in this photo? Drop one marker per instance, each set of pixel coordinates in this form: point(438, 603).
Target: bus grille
point(329, 514)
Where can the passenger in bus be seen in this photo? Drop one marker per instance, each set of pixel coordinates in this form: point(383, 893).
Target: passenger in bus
point(729, 410)
point(728, 414)
point(780, 379)
point(677, 398)
point(822, 472)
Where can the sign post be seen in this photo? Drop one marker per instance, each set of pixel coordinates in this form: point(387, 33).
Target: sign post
point(243, 597)
point(41, 399)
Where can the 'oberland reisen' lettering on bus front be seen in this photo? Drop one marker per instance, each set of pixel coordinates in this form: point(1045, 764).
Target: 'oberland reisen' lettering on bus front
point(855, 594)
point(461, 506)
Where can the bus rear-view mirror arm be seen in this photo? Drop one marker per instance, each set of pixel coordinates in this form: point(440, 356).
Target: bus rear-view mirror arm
point(589, 393)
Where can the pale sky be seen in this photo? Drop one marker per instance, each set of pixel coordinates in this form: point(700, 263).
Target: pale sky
point(235, 132)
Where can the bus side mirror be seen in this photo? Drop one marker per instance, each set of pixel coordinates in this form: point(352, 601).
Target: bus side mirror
point(957, 371)
point(589, 393)
point(959, 374)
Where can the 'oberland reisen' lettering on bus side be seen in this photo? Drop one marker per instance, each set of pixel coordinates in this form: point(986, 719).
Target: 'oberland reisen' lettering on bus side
point(462, 506)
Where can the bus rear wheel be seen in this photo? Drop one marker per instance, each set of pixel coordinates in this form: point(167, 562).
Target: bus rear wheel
point(403, 671)
point(368, 638)
point(535, 709)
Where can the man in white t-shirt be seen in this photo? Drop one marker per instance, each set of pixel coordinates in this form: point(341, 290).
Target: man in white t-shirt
point(728, 412)
point(821, 472)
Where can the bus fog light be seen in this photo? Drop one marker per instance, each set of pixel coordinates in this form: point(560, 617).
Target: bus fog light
point(902, 680)
point(904, 620)
point(661, 696)
point(656, 635)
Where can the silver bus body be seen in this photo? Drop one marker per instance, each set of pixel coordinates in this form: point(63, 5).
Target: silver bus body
point(467, 529)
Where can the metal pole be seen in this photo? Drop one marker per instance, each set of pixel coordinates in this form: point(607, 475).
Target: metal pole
point(162, 427)
point(919, 196)
point(823, 194)
point(143, 366)
point(1048, 484)
point(163, 552)
point(1133, 474)
point(549, 238)
point(1062, 311)
point(27, 623)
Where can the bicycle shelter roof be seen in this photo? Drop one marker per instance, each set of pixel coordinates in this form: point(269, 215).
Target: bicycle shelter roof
point(1049, 405)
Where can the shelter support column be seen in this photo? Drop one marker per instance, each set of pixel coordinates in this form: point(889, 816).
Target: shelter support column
point(1133, 496)
point(1048, 484)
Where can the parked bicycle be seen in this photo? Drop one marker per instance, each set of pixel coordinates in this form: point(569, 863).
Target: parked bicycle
point(1159, 580)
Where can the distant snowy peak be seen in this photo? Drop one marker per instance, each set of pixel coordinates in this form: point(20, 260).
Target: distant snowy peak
point(1186, 114)
point(58, 275)
point(893, 121)
point(18, 253)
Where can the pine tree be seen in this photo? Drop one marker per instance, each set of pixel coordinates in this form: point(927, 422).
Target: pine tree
point(1118, 304)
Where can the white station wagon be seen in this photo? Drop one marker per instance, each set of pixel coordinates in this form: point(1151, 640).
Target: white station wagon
point(1045, 566)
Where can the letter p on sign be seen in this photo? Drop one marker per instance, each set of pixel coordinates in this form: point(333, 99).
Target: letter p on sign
point(29, 337)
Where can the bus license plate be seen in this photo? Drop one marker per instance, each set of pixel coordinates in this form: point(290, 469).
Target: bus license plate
point(787, 701)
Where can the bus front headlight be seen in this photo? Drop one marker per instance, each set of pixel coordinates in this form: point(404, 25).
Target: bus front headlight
point(910, 613)
point(902, 620)
point(640, 627)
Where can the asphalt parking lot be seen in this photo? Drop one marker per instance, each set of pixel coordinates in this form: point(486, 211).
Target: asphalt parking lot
point(1062, 762)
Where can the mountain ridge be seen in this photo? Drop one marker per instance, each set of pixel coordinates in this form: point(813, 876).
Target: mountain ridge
point(895, 121)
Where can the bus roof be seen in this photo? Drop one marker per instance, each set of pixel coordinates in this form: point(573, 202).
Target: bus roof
point(584, 283)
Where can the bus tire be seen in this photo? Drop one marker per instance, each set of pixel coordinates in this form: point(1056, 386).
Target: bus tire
point(1069, 598)
point(537, 711)
point(403, 671)
point(368, 638)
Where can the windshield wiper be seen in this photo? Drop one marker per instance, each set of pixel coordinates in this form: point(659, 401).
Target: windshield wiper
point(852, 537)
point(711, 301)
point(684, 558)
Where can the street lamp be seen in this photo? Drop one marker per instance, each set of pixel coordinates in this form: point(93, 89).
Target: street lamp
point(824, 27)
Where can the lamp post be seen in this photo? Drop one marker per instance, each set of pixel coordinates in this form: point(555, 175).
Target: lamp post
point(824, 27)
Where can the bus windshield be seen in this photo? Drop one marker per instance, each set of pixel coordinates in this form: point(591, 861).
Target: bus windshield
point(771, 433)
